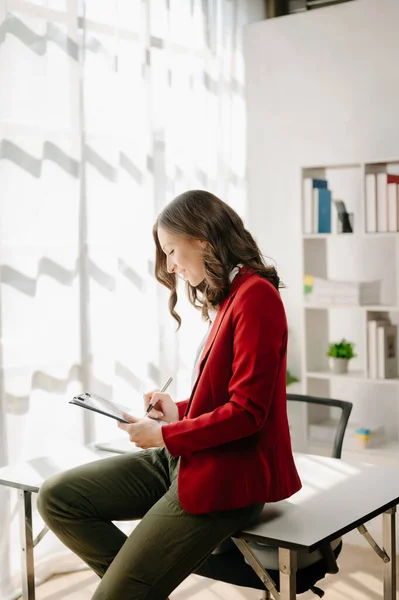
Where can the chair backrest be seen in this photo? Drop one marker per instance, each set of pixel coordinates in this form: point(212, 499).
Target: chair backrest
point(343, 405)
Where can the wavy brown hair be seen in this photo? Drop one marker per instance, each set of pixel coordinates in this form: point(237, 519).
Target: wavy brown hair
point(199, 215)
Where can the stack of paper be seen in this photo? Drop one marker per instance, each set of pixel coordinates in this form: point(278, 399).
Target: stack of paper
point(322, 292)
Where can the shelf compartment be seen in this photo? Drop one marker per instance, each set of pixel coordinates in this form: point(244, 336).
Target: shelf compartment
point(344, 182)
point(363, 258)
point(372, 406)
point(323, 327)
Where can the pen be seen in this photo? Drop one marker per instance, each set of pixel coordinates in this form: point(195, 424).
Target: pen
point(163, 389)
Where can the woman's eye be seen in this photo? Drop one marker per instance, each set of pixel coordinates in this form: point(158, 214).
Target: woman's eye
point(171, 252)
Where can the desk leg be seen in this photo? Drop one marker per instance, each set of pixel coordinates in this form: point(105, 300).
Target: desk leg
point(287, 562)
point(28, 576)
point(261, 572)
point(389, 544)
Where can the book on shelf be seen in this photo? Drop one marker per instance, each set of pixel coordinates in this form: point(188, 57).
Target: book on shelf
point(371, 203)
point(372, 353)
point(382, 203)
point(321, 210)
point(384, 180)
point(393, 207)
point(319, 292)
point(382, 349)
point(387, 360)
point(310, 206)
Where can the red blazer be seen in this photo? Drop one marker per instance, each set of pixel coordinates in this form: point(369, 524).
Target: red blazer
point(233, 437)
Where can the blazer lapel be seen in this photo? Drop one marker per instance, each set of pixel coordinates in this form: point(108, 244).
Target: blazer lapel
point(215, 328)
point(238, 280)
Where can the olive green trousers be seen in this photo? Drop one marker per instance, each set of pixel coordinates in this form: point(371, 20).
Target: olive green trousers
point(168, 543)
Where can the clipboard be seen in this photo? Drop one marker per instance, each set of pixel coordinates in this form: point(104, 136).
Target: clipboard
point(101, 406)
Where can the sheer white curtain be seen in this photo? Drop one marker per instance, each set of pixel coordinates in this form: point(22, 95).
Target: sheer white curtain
point(108, 109)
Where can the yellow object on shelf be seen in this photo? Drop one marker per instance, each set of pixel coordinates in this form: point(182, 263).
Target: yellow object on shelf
point(362, 439)
point(367, 437)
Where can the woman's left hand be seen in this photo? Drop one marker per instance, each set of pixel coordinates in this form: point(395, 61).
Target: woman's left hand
point(145, 433)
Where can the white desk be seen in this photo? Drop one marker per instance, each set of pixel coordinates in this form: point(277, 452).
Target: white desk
point(336, 497)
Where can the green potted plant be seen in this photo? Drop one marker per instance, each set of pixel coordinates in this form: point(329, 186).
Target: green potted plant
point(290, 378)
point(340, 354)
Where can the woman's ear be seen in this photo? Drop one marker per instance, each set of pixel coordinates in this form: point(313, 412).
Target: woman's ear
point(201, 244)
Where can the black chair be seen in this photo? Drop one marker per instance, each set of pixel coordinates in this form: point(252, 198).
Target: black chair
point(230, 566)
point(327, 403)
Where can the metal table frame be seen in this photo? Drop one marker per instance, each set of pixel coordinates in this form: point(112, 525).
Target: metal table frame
point(288, 564)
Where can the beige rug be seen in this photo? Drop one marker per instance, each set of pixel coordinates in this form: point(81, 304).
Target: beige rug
point(360, 578)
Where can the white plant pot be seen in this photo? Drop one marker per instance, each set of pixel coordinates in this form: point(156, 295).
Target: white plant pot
point(339, 365)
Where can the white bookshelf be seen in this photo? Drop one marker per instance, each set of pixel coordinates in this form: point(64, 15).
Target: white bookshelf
point(357, 256)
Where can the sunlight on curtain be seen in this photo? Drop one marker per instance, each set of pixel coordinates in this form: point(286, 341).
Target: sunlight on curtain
point(108, 109)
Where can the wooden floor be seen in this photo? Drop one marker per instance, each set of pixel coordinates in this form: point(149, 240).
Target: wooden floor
point(360, 578)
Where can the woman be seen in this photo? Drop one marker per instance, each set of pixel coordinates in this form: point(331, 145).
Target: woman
point(224, 451)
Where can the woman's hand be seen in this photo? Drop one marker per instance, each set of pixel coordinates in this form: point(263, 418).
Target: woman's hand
point(165, 409)
point(145, 433)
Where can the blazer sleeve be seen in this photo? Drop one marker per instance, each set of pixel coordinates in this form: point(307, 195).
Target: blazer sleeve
point(181, 407)
point(260, 340)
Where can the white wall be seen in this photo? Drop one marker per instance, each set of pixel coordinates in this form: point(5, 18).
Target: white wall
point(322, 88)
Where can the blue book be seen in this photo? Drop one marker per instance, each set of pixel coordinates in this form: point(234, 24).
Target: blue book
point(324, 211)
point(319, 183)
point(311, 187)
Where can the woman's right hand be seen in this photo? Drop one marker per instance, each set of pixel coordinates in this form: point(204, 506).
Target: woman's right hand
point(165, 409)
